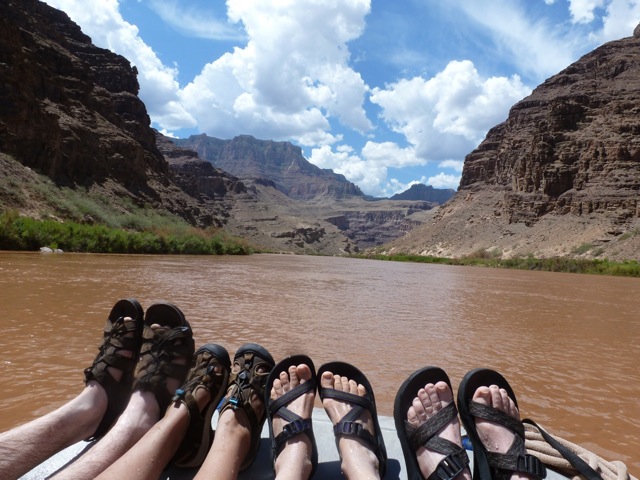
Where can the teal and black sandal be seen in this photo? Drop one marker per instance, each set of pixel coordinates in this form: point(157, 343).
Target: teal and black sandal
point(348, 425)
point(252, 364)
point(297, 425)
point(412, 438)
point(119, 335)
point(490, 465)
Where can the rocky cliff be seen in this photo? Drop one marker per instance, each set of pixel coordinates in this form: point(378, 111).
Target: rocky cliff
point(67, 108)
point(561, 176)
point(573, 145)
point(70, 111)
point(280, 162)
point(427, 193)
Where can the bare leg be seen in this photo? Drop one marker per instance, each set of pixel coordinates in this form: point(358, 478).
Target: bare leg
point(141, 414)
point(294, 461)
point(232, 441)
point(229, 449)
point(25, 447)
point(358, 460)
point(494, 437)
point(147, 458)
point(429, 401)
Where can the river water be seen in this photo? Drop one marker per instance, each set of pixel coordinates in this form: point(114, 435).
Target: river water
point(569, 344)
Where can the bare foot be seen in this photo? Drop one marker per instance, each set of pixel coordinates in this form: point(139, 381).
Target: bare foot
point(358, 460)
point(294, 461)
point(430, 400)
point(493, 436)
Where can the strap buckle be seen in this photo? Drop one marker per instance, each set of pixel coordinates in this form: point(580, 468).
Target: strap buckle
point(296, 427)
point(531, 465)
point(452, 465)
point(347, 428)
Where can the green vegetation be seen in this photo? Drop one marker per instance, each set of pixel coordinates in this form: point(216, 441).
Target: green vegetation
point(23, 233)
point(584, 248)
point(97, 220)
point(629, 268)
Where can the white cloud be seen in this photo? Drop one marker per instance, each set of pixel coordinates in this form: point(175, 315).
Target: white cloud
point(523, 40)
point(367, 174)
point(195, 22)
point(448, 115)
point(582, 11)
point(290, 78)
point(107, 29)
point(620, 19)
point(452, 164)
point(444, 180)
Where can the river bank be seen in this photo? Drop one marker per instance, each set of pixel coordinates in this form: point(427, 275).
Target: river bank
point(630, 268)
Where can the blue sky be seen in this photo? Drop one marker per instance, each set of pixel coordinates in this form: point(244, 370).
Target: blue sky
point(386, 92)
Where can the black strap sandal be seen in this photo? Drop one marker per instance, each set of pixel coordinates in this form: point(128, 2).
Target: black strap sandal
point(348, 425)
point(119, 335)
point(252, 364)
point(490, 465)
point(199, 436)
point(160, 348)
point(297, 425)
point(426, 435)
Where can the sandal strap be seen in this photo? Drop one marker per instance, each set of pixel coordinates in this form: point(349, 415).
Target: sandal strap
point(451, 466)
point(159, 350)
point(507, 463)
point(241, 385)
point(114, 341)
point(489, 413)
point(348, 425)
point(427, 432)
point(297, 425)
point(426, 435)
point(516, 459)
point(292, 429)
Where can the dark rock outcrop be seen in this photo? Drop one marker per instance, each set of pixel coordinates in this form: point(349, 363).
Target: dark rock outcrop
point(560, 177)
point(573, 145)
point(427, 193)
point(280, 162)
point(68, 108)
point(195, 176)
point(70, 111)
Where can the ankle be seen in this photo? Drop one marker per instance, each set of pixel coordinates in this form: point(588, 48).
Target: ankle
point(294, 461)
point(358, 461)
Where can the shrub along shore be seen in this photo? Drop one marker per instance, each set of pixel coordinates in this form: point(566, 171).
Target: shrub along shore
point(24, 233)
point(630, 268)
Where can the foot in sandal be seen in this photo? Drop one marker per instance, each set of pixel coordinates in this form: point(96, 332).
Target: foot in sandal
point(291, 388)
point(348, 399)
point(427, 425)
point(489, 412)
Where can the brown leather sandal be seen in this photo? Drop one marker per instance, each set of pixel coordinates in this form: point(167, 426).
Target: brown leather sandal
point(119, 335)
point(199, 436)
point(252, 364)
point(161, 346)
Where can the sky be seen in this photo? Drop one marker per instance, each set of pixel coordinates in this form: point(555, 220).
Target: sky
point(386, 92)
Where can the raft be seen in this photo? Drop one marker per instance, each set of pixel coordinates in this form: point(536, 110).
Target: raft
point(328, 464)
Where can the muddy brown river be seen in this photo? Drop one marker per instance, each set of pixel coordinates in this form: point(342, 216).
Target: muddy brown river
point(569, 344)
